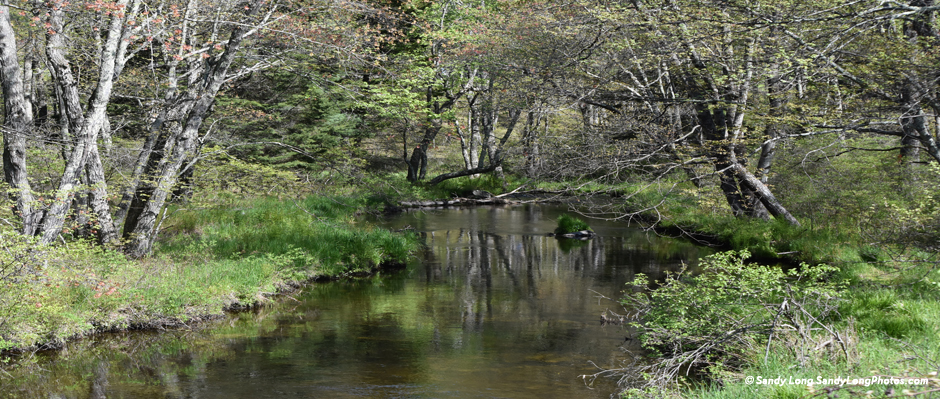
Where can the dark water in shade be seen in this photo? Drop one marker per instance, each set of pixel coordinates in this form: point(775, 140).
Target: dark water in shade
point(493, 309)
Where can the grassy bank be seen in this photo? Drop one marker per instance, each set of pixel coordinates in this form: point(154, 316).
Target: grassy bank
point(882, 248)
point(864, 216)
point(211, 260)
point(740, 324)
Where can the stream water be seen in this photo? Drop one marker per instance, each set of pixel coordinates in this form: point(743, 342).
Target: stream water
point(493, 308)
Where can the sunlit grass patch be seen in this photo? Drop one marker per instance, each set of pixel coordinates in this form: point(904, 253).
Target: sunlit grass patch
point(315, 233)
point(216, 259)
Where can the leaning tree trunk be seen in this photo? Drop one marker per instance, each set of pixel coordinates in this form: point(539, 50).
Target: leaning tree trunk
point(140, 239)
point(763, 193)
point(16, 125)
point(713, 121)
point(85, 129)
point(418, 164)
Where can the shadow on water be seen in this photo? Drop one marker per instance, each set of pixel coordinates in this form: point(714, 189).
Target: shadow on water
point(492, 308)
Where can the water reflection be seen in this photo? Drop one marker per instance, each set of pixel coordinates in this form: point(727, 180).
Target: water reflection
point(493, 308)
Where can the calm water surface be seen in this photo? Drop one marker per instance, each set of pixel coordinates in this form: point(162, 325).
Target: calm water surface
point(492, 309)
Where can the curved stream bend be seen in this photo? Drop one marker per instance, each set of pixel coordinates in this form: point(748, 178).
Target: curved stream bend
point(493, 309)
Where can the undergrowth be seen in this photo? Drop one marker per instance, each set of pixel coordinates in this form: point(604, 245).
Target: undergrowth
point(214, 259)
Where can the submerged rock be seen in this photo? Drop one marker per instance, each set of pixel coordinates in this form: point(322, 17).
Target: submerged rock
point(581, 235)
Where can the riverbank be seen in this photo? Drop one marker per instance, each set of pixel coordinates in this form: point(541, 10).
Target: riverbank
point(211, 261)
point(885, 315)
point(237, 256)
point(671, 213)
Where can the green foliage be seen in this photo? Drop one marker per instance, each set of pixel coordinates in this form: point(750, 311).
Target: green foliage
point(914, 223)
point(570, 224)
point(51, 293)
point(314, 121)
point(829, 191)
point(722, 317)
point(223, 179)
point(317, 234)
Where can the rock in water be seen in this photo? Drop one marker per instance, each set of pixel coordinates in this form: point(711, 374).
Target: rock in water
point(583, 234)
point(480, 194)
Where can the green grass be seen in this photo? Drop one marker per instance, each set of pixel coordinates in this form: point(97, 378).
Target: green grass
point(884, 311)
point(214, 259)
point(317, 232)
point(896, 334)
point(915, 358)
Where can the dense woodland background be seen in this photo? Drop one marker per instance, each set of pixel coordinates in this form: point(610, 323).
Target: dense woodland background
point(112, 108)
point(167, 159)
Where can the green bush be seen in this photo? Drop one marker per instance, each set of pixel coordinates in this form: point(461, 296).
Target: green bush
point(721, 319)
point(569, 224)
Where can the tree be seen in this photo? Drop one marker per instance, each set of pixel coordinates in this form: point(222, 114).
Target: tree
point(665, 86)
point(16, 125)
point(191, 50)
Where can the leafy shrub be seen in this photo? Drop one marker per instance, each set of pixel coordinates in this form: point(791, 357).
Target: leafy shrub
point(569, 224)
point(722, 318)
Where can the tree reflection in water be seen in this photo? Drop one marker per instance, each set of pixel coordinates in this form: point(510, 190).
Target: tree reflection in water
point(491, 308)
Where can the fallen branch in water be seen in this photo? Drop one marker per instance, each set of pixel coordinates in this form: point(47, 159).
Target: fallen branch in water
point(480, 198)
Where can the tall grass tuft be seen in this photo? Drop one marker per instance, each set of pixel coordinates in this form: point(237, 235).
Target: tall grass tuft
point(319, 232)
point(569, 224)
point(218, 258)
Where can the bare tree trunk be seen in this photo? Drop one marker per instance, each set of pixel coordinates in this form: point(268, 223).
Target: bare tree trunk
point(37, 95)
point(763, 193)
point(466, 172)
point(917, 123)
point(85, 129)
point(464, 144)
point(418, 164)
point(530, 143)
point(17, 125)
point(146, 161)
point(496, 155)
point(27, 81)
point(98, 199)
point(713, 121)
point(145, 226)
point(488, 118)
point(476, 139)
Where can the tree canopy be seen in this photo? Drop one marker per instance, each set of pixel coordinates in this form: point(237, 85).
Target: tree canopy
point(604, 90)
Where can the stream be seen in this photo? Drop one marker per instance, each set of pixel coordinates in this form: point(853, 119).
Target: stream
point(493, 308)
